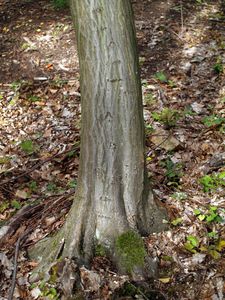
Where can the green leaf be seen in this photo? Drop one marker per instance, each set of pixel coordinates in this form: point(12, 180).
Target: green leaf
point(221, 245)
point(221, 175)
point(188, 246)
point(193, 240)
point(155, 116)
point(27, 146)
point(72, 184)
point(16, 204)
point(197, 212)
point(177, 221)
point(161, 77)
point(201, 217)
point(213, 234)
point(215, 254)
point(211, 217)
point(213, 208)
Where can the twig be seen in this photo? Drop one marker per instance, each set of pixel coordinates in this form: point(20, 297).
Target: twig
point(157, 146)
point(11, 292)
point(182, 16)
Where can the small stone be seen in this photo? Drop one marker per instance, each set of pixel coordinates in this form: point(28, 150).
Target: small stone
point(163, 139)
point(22, 281)
point(35, 293)
point(197, 107)
point(49, 221)
point(186, 67)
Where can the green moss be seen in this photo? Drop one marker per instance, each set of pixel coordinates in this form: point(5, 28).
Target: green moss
point(130, 251)
point(100, 250)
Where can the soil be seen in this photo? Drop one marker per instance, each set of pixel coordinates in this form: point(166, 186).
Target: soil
point(181, 46)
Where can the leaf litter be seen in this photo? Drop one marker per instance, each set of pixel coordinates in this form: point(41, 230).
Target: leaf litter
point(181, 44)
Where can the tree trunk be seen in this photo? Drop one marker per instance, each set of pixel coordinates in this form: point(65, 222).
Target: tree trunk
point(112, 195)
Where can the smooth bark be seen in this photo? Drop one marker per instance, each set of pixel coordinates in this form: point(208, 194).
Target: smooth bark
point(112, 195)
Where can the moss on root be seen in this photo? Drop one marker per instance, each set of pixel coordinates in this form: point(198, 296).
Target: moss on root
point(130, 251)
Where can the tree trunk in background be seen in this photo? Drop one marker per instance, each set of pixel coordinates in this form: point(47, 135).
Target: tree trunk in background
point(112, 195)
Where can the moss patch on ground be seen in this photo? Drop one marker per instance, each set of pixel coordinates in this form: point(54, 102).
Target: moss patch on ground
point(130, 251)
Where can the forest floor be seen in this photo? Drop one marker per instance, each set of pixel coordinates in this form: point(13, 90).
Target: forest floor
point(182, 57)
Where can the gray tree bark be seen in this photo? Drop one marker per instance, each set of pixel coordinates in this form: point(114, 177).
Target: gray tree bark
point(113, 194)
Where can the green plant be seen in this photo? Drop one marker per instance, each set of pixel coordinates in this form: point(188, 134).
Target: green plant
point(100, 250)
point(15, 204)
point(28, 147)
point(213, 235)
point(51, 187)
point(149, 98)
point(191, 244)
point(148, 129)
point(33, 98)
point(168, 117)
point(130, 250)
point(72, 184)
point(218, 66)
point(50, 293)
point(171, 83)
point(32, 186)
point(4, 160)
point(214, 248)
point(177, 221)
point(200, 1)
point(161, 77)
point(213, 120)
point(173, 171)
point(60, 3)
point(3, 206)
point(211, 215)
point(212, 182)
point(15, 85)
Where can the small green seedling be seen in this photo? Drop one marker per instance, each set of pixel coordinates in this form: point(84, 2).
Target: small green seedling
point(33, 98)
point(161, 77)
point(59, 4)
point(15, 204)
point(33, 186)
point(213, 235)
point(211, 215)
point(4, 160)
point(15, 85)
point(100, 250)
point(148, 129)
point(192, 244)
point(4, 206)
point(213, 120)
point(51, 187)
point(149, 99)
point(28, 147)
point(51, 293)
point(173, 171)
point(72, 184)
point(218, 68)
point(212, 182)
point(168, 117)
point(177, 221)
